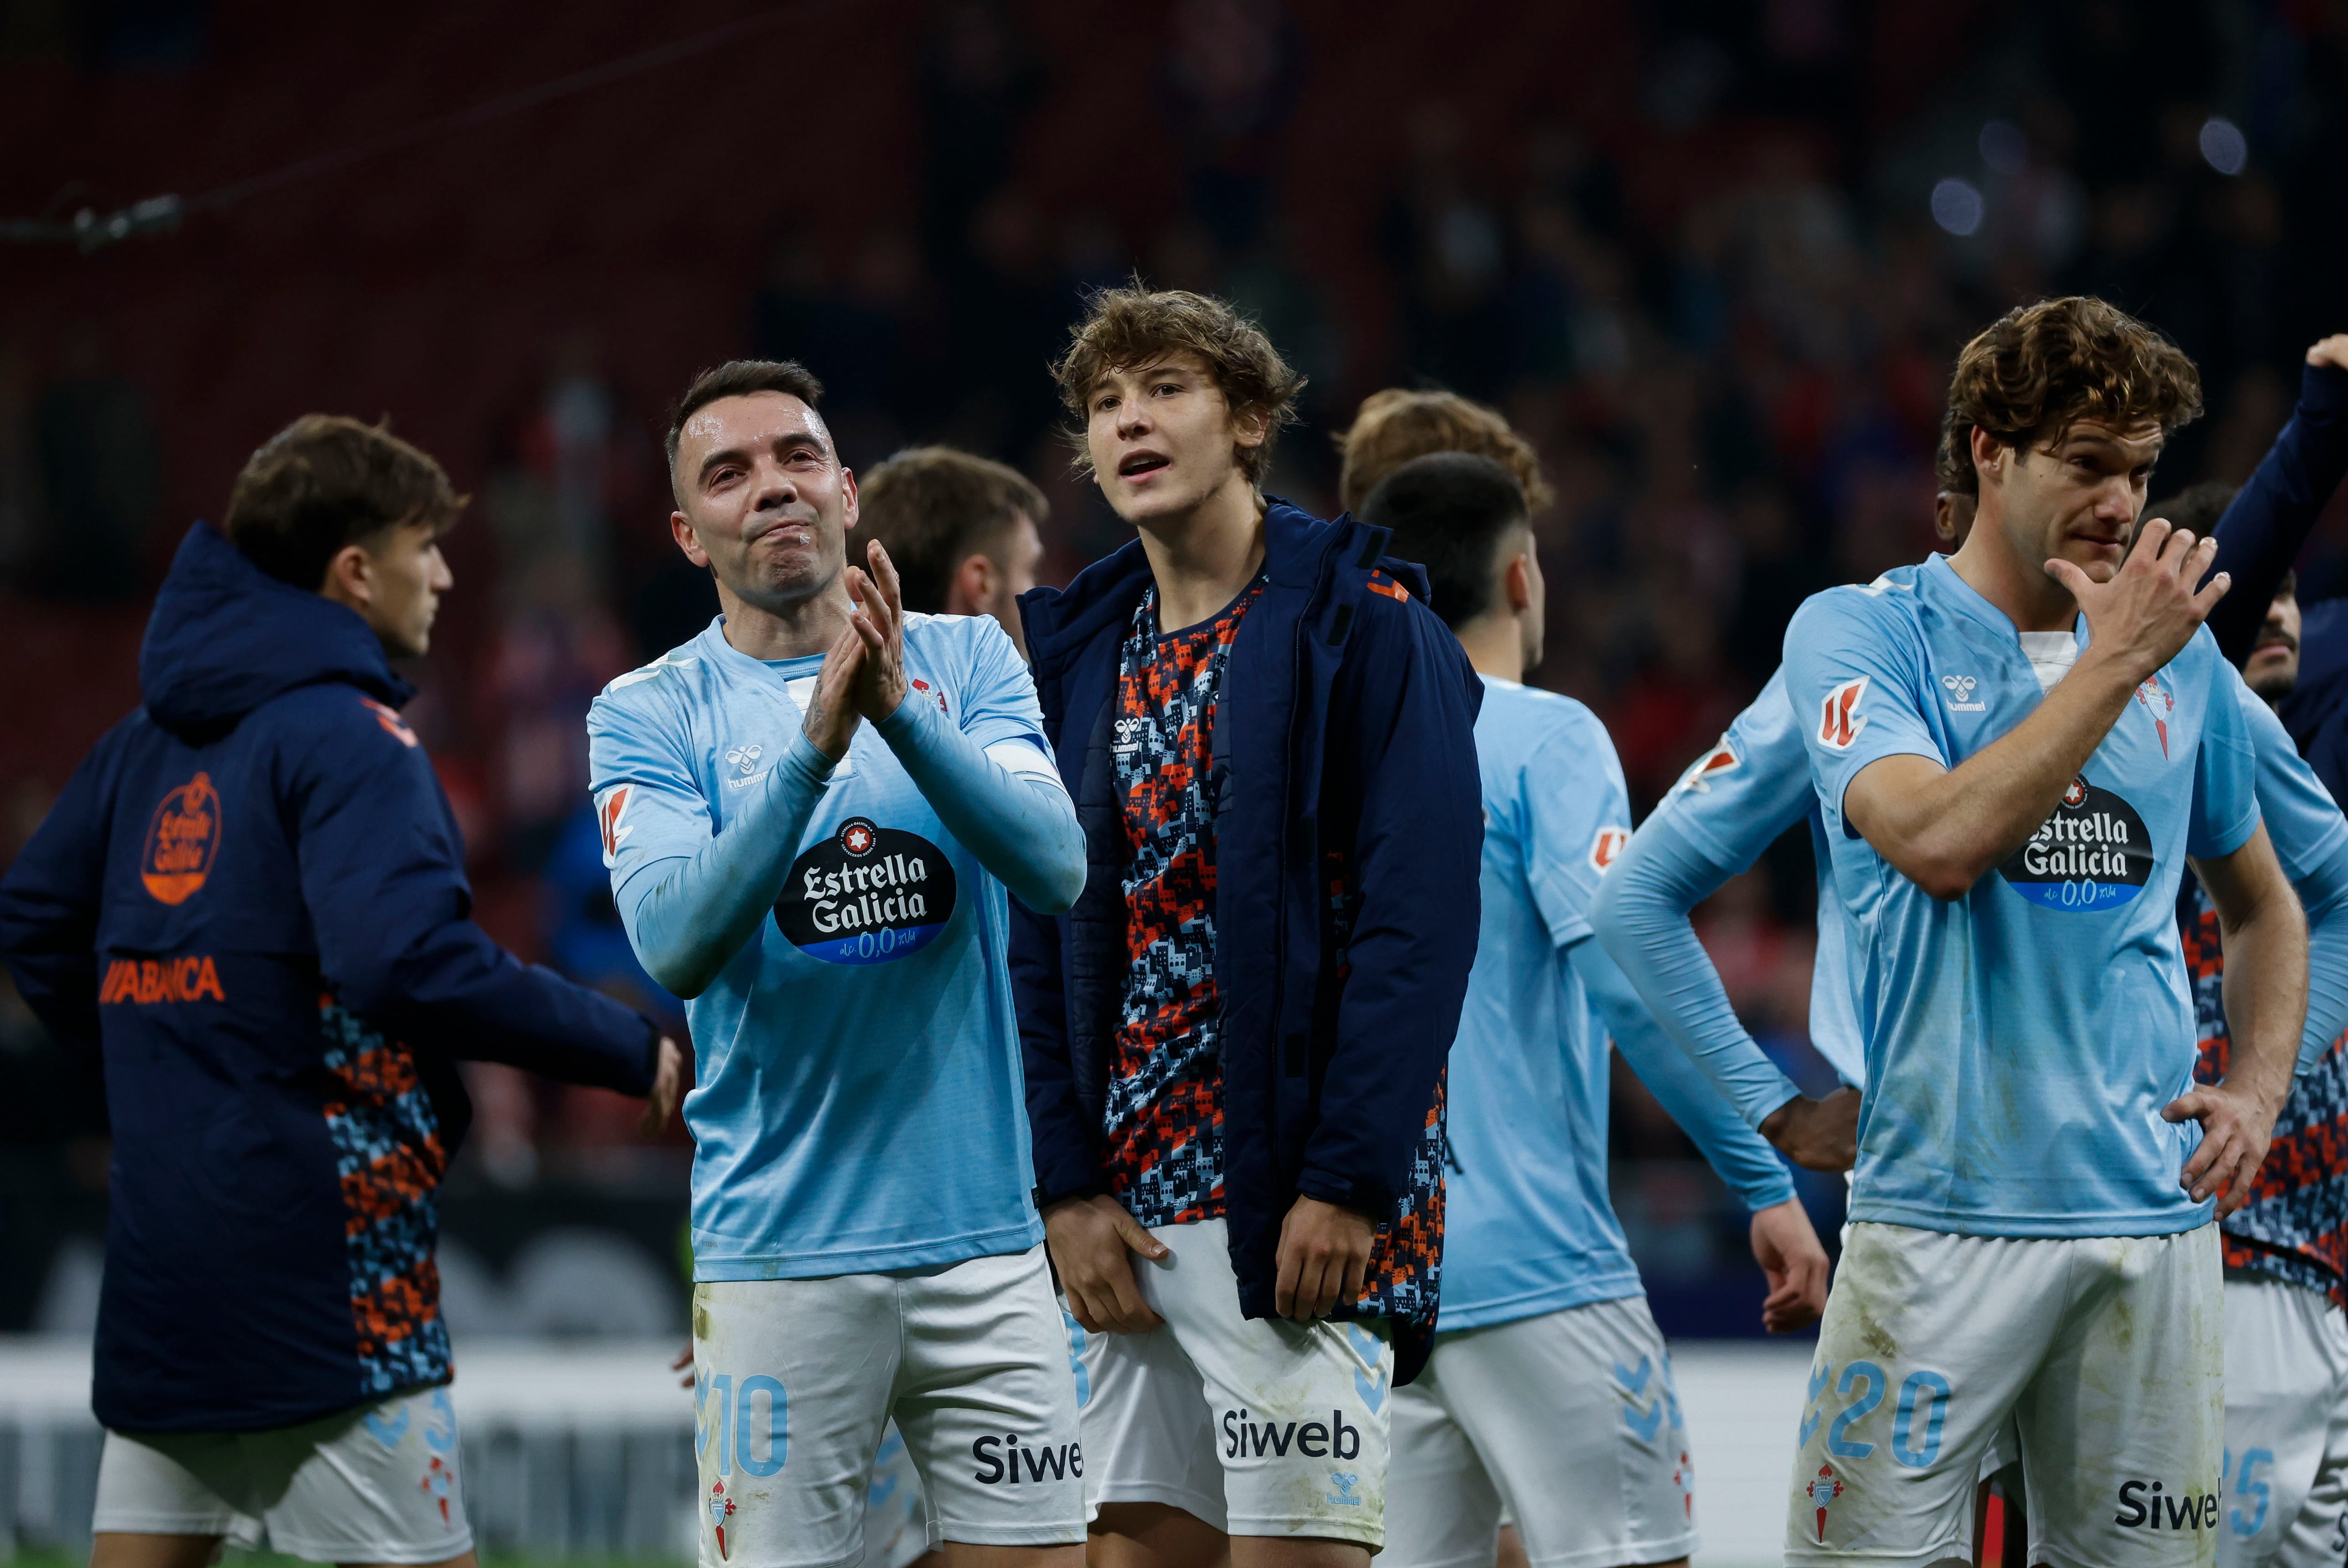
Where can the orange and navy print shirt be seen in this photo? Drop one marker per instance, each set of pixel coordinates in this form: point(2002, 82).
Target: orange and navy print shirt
point(2295, 1226)
point(1164, 1115)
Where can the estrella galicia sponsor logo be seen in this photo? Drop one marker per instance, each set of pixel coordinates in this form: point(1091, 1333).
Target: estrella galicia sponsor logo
point(1335, 1439)
point(2143, 1506)
point(2091, 853)
point(1001, 1460)
point(867, 894)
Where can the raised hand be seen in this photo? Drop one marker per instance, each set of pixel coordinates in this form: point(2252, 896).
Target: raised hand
point(831, 716)
point(2331, 351)
point(879, 619)
point(2146, 613)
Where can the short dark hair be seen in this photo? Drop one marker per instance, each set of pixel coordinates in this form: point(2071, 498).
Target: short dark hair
point(2197, 507)
point(1448, 511)
point(739, 379)
point(932, 508)
point(2039, 369)
point(1127, 328)
point(326, 482)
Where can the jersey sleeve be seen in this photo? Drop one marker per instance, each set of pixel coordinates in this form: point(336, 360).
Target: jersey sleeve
point(649, 805)
point(999, 703)
point(1854, 665)
point(1753, 786)
point(2300, 817)
point(2225, 769)
point(1574, 812)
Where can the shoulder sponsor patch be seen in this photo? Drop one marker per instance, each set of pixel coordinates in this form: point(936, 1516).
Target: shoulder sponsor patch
point(610, 821)
point(1839, 720)
point(1720, 759)
point(184, 840)
point(1606, 846)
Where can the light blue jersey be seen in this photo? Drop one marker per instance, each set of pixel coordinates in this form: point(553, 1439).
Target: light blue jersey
point(2310, 841)
point(858, 1103)
point(1529, 1228)
point(1732, 805)
point(2022, 1039)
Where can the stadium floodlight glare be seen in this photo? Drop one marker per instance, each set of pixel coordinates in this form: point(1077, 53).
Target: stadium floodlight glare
point(1957, 206)
point(2224, 146)
point(2004, 148)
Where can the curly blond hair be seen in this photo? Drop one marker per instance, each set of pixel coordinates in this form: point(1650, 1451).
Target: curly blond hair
point(1399, 424)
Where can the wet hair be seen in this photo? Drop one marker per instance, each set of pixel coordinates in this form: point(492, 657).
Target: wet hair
point(1129, 327)
point(932, 508)
point(2041, 368)
point(324, 482)
point(1399, 424)
point(1449, 511)
point(739, 379)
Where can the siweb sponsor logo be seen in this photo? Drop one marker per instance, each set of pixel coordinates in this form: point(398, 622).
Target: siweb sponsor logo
point(1007, 1462)
point(2145, 1505)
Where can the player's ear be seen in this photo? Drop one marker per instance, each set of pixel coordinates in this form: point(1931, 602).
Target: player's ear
point(1988, 455)
point(1516, 582)
point(349, 577)
point(681, 528)
point(850, 512)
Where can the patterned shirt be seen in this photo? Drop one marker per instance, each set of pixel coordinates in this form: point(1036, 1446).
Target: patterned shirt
point(2295, 1226)
point(1164, 1115)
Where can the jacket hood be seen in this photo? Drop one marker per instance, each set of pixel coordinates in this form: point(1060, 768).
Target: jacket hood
point(226, 637)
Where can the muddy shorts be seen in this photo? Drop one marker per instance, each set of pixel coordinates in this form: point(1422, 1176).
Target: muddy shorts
point(1259, 1428)
point(1567, 1421)
point(794, 1383)
point(2285, 1472)
point(2106, 1352)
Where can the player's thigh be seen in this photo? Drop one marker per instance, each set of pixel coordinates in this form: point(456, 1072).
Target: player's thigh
point(2306, 1350)
point(1927, 1341)
point(141, 1549)
point(1149, 1447)
point(1298, 1412)
point(987, 1400)
point(896, 1510)
point(791, 1383)
point(1442, 1509)
point(1575, 1414)
point(2122, 1425)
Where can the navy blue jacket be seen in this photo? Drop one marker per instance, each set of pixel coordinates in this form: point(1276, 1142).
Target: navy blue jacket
point(2260, 537)
point(251, 896)
point(1349, 713)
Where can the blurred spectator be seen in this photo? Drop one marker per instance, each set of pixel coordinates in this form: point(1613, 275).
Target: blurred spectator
point(979, 82)
point(1230, 82)
point(101, 475)
point(1442, 239)
point(24, 523)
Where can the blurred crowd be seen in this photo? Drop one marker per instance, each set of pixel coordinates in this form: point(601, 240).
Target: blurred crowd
point(1723, 312)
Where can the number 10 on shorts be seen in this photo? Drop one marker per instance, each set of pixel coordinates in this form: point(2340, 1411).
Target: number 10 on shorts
point(740, 1421)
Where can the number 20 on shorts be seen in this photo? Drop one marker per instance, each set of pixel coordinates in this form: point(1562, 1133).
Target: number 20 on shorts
point(740, 1421)
point(1854, 1398)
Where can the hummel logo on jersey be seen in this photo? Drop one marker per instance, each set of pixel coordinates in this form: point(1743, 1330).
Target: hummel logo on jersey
point(1961, 694)
point(611, 812)
point(1606, 846)
point(1839, 720)
point(745, 758)
point(1719, 759)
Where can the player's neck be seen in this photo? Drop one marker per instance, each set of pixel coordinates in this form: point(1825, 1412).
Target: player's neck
point(1495, 645)
point(1201, 558)
point(2021, 590)
point(792, 630)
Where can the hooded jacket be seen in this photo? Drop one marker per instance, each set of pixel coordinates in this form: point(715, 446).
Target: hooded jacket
point(1346, 757)
point(252, 897)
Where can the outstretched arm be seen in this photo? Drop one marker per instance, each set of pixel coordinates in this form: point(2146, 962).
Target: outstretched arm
point(2263, 530)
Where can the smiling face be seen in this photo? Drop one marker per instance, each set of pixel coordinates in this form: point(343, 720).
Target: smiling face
point(762, 500)
point(1162, 438)
point(2272, 668)
point(2077, 499)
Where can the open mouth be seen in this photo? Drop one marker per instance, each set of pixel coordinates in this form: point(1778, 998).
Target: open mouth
point(1137, 463)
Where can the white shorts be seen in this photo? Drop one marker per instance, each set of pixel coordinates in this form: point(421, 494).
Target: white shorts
point(1569, 1421)
point(2107, 1352)
point(2285, 1474)
point(374, 1484)
point(1257, 1426)
point(795, 1380)
point(896, 1511)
